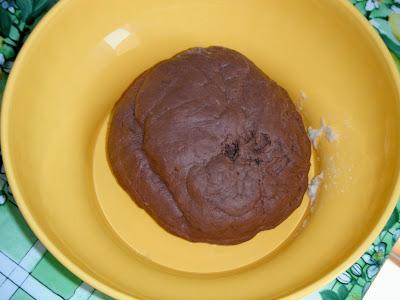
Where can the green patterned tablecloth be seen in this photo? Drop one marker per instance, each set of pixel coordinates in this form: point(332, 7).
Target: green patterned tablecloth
point(29, 271)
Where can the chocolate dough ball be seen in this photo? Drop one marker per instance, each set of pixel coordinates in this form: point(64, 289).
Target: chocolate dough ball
point(210, 146)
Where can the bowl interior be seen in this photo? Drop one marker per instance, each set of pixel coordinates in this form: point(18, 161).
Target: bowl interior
point(79, 61)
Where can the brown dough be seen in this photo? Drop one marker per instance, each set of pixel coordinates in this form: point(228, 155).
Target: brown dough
point(210, 147)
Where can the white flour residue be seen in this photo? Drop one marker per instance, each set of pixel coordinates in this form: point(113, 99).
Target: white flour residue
point(302, 97)
point(313, 188)
point(347, 123)
point(305, 223)
point(325, 130)
point(313, 135)
point(330, 134)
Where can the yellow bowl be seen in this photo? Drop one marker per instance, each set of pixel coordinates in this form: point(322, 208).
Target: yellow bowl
point(80, 59)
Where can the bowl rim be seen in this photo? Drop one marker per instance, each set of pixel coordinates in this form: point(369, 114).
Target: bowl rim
point(98, 284)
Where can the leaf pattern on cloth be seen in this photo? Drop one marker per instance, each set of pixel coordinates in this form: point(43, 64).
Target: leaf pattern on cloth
point(17, 19)
point(358, 278)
